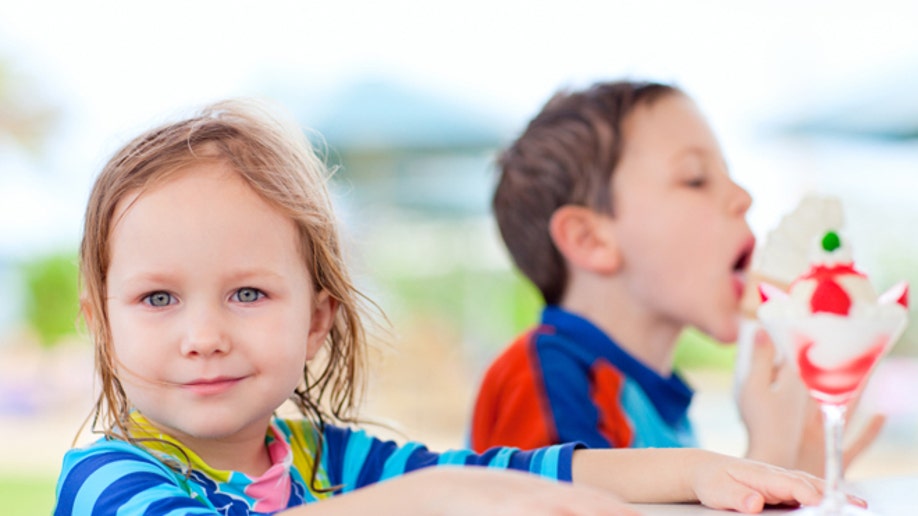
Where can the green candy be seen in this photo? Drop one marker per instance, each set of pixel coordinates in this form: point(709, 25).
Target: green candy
point(831, 241)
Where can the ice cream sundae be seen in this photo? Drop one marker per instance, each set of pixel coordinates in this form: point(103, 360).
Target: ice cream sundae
point(835, 329)
point(832, 322)
point(779, 259)
point(784, 253)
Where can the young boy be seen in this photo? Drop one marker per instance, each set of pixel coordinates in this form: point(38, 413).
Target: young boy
point(616, 202)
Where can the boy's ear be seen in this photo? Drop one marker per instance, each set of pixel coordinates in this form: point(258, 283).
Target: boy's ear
point(324, 311)
point(585, 239)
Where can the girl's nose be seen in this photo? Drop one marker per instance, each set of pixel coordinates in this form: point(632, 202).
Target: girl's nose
point(204, 334)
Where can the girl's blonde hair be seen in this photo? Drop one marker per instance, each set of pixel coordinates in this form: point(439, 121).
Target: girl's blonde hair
point(276, 159)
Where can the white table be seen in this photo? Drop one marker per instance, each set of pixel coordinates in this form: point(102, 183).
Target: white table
point(886, 496)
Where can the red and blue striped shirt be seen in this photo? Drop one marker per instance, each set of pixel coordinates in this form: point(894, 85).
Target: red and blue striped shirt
point(566, 380)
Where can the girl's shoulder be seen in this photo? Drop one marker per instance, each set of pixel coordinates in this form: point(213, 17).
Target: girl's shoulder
point(115, 471)
point(108, 450)
point(111, 459)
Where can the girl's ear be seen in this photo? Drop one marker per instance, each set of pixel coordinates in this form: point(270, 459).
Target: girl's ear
point(86, 310)
point(323, 317)
point(585, 239)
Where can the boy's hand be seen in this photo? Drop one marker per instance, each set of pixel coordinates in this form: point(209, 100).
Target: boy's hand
point(775, 406)
point(783, 422)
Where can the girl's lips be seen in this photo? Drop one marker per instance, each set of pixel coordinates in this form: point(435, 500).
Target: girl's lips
point(212, 386)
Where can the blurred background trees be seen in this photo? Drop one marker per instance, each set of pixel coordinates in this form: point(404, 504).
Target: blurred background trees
point(25, 118)
point(50, 300)
point(42, 283)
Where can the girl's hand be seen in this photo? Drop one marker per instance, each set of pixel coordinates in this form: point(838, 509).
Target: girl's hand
point(723, 482)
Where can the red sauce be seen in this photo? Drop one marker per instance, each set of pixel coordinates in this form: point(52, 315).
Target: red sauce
point(838, 384)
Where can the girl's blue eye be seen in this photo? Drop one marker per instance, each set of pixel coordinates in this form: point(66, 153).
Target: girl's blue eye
point(248, 295)
point(158, 299)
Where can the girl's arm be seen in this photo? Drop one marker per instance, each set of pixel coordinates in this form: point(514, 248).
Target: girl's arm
point(638, 475)
point(460, 491)
point(690, 474)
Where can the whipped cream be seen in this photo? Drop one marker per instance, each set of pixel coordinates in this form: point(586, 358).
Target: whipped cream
point(786, 251)
point(832, 284)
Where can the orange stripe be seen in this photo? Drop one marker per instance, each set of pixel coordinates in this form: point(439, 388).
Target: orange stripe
point(510, 409)
point(606, 392)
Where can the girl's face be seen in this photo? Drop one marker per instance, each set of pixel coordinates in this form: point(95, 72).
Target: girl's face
point(212, 310)
point(680, 220)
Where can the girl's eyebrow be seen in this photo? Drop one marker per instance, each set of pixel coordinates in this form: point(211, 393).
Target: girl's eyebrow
point(253, 273)
point(148, 277)
point(238, 275)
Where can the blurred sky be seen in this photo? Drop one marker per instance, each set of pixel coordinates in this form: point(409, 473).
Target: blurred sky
point(113, 68)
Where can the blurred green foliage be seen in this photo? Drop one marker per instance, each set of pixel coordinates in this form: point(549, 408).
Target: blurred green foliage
point(697, 350)
point(896, 262)
point(492, 307)
point(51, 296)
point(27, 496)
point(486, 307)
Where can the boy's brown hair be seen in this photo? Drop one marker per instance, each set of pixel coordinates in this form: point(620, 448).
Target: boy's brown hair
point(566, 155)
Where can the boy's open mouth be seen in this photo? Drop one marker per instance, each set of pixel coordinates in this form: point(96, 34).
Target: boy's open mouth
point(743, 259)
point(741, 266)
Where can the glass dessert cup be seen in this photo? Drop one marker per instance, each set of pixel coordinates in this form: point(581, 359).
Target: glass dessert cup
point(834, 356)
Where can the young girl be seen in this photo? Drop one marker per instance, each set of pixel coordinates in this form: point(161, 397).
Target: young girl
point(215, 290)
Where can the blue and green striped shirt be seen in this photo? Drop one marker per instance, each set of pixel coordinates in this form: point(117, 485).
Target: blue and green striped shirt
point(115, 477)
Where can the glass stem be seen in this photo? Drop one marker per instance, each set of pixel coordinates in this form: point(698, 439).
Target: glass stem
point(834, 420)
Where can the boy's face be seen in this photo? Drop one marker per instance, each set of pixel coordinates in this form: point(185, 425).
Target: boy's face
point(212, 311)
point(680, 220)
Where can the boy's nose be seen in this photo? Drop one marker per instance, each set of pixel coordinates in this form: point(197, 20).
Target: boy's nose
point(204, 333)
point(740, 200)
